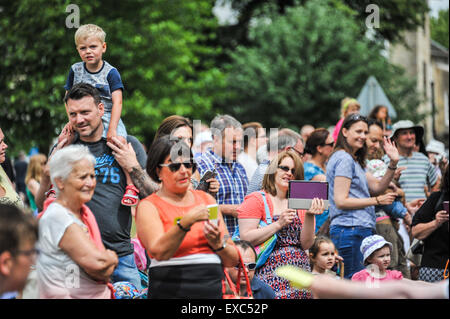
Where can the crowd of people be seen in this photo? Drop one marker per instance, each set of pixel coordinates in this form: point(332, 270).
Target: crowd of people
point(206, 203)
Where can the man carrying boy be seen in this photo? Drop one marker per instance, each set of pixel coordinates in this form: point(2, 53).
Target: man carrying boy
point(85, 109)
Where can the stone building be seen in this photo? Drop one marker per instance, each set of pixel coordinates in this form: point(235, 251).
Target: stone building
point(427, 61)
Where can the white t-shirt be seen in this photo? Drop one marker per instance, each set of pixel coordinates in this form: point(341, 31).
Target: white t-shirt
point(249, 164)
point(59, 277)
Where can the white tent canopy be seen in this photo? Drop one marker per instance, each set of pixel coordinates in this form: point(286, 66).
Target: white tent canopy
point(372, 94)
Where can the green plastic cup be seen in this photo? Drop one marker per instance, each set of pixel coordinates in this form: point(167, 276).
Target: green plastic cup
point(213, 211)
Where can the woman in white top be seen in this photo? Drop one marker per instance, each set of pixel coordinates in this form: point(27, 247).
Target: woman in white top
point(73, 262)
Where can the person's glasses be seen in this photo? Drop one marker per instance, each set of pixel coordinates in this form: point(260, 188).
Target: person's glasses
point(174, 167)
point(298, 152)
point(249, 266)
point(329, 144)
point(286, 169)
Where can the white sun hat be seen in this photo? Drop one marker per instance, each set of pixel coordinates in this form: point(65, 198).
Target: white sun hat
point(436, 147)
point(407, 124)
point(372, 243)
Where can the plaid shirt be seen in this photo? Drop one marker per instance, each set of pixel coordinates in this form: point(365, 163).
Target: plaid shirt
point(233, 182)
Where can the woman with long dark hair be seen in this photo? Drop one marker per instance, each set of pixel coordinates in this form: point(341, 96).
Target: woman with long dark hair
point(352, 193)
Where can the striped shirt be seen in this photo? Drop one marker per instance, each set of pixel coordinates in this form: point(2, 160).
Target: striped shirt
point(233, 182)
point(419, 173)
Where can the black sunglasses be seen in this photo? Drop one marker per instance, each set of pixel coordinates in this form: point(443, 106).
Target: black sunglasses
point(329, 144)
point(286, 169)
point(357, 117)
point(249, 266)
point(176, 166)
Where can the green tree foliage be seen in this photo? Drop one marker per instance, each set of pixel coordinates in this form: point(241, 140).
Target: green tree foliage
point(301, 64)
point(439, 28)
point(162, 48)
point(395, 16)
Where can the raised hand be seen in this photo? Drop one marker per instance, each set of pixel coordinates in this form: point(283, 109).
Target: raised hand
point(391, 150)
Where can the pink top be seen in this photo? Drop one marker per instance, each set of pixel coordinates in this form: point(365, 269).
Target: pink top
point(363, 275)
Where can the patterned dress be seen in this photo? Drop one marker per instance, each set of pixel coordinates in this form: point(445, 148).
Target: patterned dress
point(288, 251)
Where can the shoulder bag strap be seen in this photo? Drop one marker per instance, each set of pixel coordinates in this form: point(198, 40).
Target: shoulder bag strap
point(266, 207)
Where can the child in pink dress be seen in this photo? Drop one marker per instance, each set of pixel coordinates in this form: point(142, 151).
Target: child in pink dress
point(377, 257)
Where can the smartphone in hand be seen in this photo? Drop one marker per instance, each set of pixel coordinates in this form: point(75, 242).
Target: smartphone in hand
point(203, 185)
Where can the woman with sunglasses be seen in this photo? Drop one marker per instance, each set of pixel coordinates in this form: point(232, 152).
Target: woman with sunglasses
point(294, 228)
point(187, 251)
point(352, 193)
point(320, 145)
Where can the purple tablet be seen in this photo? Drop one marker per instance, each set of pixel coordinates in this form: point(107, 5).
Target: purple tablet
point(302, 192)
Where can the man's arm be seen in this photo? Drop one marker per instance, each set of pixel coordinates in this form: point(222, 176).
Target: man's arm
point(229, 209)
point(125, 155)
point(143, 181)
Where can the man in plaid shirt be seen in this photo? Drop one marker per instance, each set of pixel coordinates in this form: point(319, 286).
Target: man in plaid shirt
point(227, 138)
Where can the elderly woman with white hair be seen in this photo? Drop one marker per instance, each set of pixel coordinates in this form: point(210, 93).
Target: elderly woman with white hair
point(73, 263)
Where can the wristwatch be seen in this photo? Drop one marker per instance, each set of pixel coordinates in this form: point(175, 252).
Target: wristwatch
point(221, 248)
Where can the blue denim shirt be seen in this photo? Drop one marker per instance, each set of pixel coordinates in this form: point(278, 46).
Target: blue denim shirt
point(342, 164)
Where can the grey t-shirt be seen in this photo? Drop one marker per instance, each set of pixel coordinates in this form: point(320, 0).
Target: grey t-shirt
point(113, 218)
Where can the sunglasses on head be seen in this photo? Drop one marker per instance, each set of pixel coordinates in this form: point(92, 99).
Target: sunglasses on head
point(249, 266)
point(357, 117)
point(174, 167)
point(286, 169)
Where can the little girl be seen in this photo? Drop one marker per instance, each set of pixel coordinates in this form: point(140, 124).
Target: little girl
point(322, 256)
point(377, 257)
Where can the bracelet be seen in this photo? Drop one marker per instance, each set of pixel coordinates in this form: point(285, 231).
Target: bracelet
point(182, 228)
point(392, 168)
point(221, 248)
point(378, 202)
